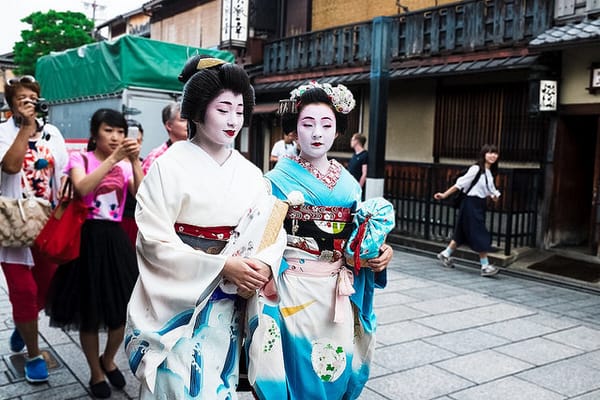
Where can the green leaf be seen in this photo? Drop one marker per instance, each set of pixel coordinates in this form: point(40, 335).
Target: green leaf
point(51, 31)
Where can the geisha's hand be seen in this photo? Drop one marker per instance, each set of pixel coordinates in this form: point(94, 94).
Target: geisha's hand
point(242, 274)
point(381, 262)
point(260, 267)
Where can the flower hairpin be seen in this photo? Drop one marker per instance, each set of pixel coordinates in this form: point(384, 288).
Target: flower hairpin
point(341, 98)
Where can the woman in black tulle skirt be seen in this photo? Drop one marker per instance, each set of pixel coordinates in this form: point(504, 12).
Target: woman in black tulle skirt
point(91, 293)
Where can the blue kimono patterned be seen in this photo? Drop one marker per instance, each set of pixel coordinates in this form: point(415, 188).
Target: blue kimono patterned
point(317, 341)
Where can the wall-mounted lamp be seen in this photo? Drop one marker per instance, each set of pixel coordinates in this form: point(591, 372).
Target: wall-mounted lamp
point(548, 95)
point(594, 78)
point(543, 95)
point(234, 23)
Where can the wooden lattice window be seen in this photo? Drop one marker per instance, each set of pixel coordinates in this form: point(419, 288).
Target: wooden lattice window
point(467, 117)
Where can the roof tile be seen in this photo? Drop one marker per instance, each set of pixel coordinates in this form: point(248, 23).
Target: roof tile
point(585, 30)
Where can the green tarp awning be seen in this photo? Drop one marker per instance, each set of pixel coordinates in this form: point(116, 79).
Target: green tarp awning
point(111, 66)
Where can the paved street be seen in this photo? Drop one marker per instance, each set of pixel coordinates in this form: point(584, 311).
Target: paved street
point(443, 334)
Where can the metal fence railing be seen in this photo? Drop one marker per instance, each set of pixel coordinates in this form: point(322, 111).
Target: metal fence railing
point(512, 221)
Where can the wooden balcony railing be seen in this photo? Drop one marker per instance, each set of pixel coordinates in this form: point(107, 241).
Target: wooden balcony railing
point(339, 46)
point(450, 29)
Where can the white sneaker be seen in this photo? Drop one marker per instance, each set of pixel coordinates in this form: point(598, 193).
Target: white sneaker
point(489, 270)
point(447, 262)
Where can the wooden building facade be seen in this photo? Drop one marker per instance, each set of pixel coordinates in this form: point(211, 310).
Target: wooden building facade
point(517, 73)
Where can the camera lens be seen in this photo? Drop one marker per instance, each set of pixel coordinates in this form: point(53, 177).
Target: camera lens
point(42, 106)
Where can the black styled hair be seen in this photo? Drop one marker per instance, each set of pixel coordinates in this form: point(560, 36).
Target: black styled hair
point(202, 85)
point(488, 148)
point(315, 96)
point(289, 122)
point(111, 118)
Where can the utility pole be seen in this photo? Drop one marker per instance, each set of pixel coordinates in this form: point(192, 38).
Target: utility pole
point(94, 5)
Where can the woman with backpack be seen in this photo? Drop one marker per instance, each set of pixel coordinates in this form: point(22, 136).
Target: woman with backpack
point(470, 229)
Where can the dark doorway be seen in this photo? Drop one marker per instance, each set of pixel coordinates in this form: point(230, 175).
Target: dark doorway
point(575, 153)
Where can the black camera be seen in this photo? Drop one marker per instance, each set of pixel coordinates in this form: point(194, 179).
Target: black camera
point(42, 106)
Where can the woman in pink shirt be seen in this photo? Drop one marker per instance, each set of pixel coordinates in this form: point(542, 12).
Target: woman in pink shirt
point(91, 292)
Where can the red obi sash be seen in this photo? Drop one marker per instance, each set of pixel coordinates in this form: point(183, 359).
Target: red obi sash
point(211, 233)
point(211, 240)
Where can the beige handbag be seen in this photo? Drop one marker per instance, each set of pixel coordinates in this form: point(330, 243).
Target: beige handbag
point(21, 220)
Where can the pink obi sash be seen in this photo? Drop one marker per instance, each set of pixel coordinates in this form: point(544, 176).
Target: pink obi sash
point(345, 279)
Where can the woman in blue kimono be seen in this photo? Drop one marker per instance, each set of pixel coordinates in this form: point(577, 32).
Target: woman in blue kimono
point(315, 341)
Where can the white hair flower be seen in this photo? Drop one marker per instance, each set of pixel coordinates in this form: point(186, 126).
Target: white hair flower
point(341, 98)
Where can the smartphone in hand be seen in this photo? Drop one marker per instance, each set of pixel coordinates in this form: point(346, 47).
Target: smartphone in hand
point(133, 132)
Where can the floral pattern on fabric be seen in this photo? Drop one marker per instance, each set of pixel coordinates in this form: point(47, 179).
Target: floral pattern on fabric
point(330, 178)
point(328, 359)
point(38, 166)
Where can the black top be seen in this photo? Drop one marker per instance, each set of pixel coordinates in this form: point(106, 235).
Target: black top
point(356, 162)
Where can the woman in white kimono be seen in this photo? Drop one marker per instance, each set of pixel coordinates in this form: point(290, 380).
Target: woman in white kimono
point(317, 341)
point(183, 334)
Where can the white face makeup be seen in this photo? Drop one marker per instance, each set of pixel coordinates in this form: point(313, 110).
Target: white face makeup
point(316, 131)
point(223, 120)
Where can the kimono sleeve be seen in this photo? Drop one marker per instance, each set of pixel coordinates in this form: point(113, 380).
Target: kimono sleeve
point(172, 275)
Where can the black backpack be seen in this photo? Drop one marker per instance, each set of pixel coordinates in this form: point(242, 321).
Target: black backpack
point(458, 197)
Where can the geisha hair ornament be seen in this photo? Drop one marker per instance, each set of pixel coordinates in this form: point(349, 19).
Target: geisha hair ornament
point(341, 98)
point(209, 63)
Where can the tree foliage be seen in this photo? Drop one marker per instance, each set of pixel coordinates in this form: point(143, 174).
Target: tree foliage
point(51, 31)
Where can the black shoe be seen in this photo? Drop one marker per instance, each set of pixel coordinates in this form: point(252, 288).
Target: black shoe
point(100, 390)
point(115, 377)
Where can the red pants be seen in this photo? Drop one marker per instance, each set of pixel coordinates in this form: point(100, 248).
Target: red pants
point(27, 288)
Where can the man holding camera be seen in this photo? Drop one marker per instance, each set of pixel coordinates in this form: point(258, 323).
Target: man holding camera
point(32, 158)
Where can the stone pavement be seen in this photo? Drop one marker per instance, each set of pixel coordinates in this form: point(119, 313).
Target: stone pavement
point(444, 334)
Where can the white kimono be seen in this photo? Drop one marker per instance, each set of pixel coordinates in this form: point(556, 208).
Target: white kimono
point(176, 353)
